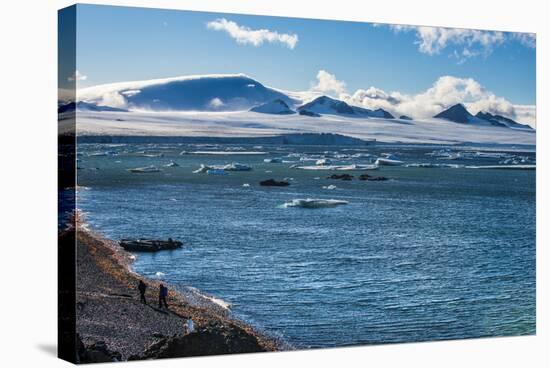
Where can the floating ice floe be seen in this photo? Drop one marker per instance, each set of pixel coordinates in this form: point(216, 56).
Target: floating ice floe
point(323, 162)
point(428, 165)
point(146, 169)
point(237, 167)
point(274, 160)
point(171, 164)
point(314, 203)
point(229, 167)
point(505, 167)
point(353, 167)
point(388, 162)
point(223, 153)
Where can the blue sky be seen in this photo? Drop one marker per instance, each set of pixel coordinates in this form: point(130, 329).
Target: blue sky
point(121, 44)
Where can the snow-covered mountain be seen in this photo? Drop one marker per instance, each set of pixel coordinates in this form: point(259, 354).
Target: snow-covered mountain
point(327, 105)
point(457, 113)
point(500, 120)
point(239, 106)
point(226, 92)
point(278, 107)
point(84, 106)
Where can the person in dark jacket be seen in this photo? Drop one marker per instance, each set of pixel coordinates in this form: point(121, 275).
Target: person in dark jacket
point(142, 287)
point(163, 293)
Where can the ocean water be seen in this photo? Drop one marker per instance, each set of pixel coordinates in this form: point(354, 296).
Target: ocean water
point(433, 253)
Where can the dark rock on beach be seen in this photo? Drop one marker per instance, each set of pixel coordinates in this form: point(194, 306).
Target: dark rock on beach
point(210, 340)
point(274, 183)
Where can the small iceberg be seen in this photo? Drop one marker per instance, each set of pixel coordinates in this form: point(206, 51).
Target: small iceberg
point(274, 160)
point(505, 167)
point(171, 164)
point(353, 167)
point(236, 167)
point(146, 169)
point(388, 162)
point(314, 203)
point(229, 167)
point(323, 162)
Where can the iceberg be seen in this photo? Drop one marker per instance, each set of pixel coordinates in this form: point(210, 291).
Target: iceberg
point(323, 161)
point(353, 167)
point(388, 162)
point(229, 167)
point(315, 203)
point(171, 164)
point(505, 167)
point(236, 167)
point(274, 160)
point(146, 169)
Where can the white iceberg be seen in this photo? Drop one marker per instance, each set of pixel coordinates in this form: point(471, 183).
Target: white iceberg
point(323, 162)
point(387, 162)
point(353, 167)
point(236, 167)
point(146, 169)
point(315, 203)
point(229, 167)
point(171, 164)
point(274, 160)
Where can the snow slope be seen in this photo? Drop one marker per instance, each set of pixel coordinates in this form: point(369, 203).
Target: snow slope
point(224, 92)
point(251, 124)
point(218, 106)
point(277, 106)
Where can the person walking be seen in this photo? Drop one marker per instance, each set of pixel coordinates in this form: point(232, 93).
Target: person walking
point(163, 293)
point(142, 287)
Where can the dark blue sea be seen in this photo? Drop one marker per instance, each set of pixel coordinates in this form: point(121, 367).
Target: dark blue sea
point(439, 252)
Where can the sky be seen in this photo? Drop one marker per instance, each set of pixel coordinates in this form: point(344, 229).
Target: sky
point(401, 68)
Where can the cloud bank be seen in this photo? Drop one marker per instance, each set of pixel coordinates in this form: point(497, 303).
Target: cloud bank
point(256, 37)
point(465, 43)
point(445, 92)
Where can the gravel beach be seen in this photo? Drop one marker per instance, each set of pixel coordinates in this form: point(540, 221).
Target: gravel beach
point(113, 324)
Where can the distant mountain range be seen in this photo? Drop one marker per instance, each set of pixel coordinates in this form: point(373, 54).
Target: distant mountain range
point(459, 114)
point(238, 92)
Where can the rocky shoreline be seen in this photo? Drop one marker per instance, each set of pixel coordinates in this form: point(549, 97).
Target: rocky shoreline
point(114, 325)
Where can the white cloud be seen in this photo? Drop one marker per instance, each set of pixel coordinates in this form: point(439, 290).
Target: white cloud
point(216, 103)
point(327, 83)
point(77, 76)
point(526, 39)
point(256, 37)
point(463, 44)
point(445, 92)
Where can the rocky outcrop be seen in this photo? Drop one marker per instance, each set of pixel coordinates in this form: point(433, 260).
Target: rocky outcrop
point(211, 340)
point(368, 177)
point(340, 177)
point(98, 352)
point(274, 183)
